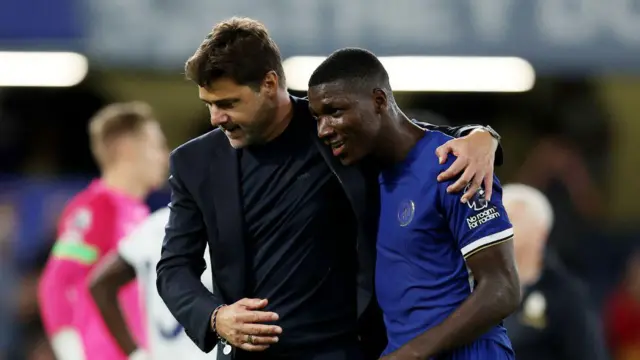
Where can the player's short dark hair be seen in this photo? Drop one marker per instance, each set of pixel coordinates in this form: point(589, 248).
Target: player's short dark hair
point(354, 66)
point(238, 48)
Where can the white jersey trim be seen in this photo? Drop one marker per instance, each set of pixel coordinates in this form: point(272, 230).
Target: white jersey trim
point(487, 241)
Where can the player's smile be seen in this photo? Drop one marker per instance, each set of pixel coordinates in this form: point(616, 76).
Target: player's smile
point(338, 145)
point(232, 131)
point(229, 127)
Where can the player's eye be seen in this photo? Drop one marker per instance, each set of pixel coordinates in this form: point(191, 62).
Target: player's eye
point(225, 105)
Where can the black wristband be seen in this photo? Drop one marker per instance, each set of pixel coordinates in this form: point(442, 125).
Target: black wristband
point(493, 132)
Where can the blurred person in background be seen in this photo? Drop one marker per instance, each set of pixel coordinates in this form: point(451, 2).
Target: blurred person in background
point(622, 314)
point(130, 148)
point(293, 229)
point(137, 256)
point(35, 344)
point(555, 319)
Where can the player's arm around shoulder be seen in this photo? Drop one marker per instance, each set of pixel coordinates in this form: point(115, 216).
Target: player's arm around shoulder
point(475, 156)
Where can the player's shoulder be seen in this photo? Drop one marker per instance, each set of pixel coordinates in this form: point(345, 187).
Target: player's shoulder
point(437, 138)
point(88, 211)
point(90, 201)
point(201, 146)
point(426, 159)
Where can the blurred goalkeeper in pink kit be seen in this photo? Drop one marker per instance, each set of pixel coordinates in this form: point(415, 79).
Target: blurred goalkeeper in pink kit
point(131, 150)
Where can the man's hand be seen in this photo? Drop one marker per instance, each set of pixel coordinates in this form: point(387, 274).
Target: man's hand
point(239, 324)
point(475, 155)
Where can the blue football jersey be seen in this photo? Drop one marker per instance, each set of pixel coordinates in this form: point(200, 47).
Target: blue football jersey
point(424, 236)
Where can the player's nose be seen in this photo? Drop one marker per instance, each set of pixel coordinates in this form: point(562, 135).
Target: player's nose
point(218, 117)
point(324, 130)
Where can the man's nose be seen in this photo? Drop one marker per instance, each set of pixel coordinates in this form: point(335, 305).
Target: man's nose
point(324, 130)
point(218, 117)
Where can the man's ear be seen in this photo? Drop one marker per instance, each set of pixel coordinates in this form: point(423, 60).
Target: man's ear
point(380, 100)
point(270, 83)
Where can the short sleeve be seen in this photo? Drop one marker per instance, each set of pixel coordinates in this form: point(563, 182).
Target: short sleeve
point(130, 248)
point(87, 233)
point(479, 223)
point(140, 245)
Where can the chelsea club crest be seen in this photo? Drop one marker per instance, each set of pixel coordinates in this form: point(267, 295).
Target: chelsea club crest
point(405, 212)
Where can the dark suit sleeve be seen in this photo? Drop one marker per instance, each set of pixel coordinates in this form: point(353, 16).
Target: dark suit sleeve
point(460, 131)
point(182, 263)
point(579, 328)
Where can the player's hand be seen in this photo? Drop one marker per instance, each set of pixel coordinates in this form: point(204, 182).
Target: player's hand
point(241, 324)
point(475, 155)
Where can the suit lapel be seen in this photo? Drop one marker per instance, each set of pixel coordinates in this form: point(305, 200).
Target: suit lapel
point(350, 177)
point(354, 183)
point(229, 248)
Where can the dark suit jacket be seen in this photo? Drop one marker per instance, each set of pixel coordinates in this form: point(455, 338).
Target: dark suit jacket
point(206, 208)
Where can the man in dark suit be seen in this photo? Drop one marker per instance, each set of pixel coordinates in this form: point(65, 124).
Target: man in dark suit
point(291, 231)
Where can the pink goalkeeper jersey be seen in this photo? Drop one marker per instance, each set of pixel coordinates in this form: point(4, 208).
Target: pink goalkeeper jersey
point(90, 227)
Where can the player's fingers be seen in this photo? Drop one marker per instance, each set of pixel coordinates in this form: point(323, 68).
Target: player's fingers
point(250, 347)
point(462, 181)
point(261, 329)
point(260, 340)
point(257, 316)
point(472, 189)
point(253, 303)
point(453, 170)
point(443, 151)
point(488, 186)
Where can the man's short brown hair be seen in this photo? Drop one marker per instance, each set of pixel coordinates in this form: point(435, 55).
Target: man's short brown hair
point(115, 121)
point(240, 49)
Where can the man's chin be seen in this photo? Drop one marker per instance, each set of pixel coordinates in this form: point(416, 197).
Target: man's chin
point(237, 142)
point(351, 157)
point(347, 160)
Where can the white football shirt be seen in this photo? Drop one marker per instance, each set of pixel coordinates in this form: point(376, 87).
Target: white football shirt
point(141, 249)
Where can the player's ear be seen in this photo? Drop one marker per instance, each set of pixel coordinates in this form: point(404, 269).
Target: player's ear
point(269, 84)
point(380, 100)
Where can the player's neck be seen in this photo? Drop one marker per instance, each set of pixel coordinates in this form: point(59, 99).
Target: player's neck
point(123, 181)
point(283, 115)
point(397, 139)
